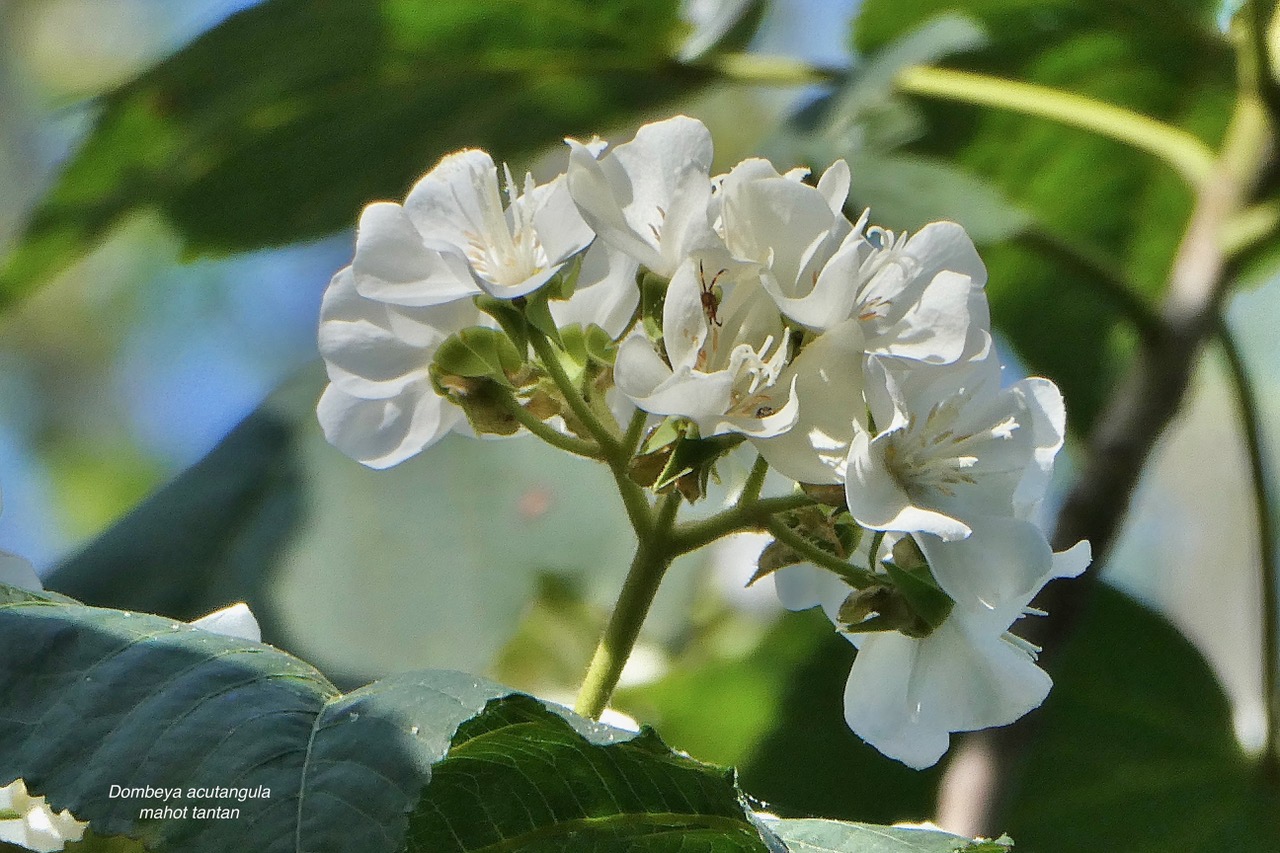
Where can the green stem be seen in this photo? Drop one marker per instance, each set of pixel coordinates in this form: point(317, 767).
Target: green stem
point(635, 432)
point(763, 70)
point(1270, 580)
point(546, 351)
point(648, 567)
point(1186, 154)
point(755, 482)
point(855, 576)
point(738, 519)
point(529, 421)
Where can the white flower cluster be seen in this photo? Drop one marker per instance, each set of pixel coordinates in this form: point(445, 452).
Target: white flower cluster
point(844, 353)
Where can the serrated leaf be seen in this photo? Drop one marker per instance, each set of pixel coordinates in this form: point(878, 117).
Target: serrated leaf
point(605, 791)
point(93, 698)
point(829, 836)
point(340, 104)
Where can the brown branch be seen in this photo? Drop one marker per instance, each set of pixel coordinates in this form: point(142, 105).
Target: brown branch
point(987, 764)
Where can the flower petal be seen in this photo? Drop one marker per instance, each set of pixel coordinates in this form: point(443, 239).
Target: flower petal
point(235, 621)
point(394, 264)
point(382, 433)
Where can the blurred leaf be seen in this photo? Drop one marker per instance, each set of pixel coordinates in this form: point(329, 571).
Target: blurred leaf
point(205, 540)
point(431, 563)
point(909, 191)
point(1135, 746)
point(1165, 60)
point(281, 123)
point(721, 710)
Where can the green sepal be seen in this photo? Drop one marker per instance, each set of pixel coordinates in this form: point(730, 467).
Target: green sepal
point(601, 347)
point(562, 287)
point(537, 311)
point(509, 317)
point(689, 466)
point(478, 352)
point(922, 593)
point(484, 403)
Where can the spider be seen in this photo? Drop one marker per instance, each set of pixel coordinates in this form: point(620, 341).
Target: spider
point(710, 301)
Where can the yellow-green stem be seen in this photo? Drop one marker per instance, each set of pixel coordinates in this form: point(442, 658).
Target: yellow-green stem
point(620, 634)
point(1186, 154)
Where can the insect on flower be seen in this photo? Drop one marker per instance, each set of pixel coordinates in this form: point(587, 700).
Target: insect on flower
point(710, 299)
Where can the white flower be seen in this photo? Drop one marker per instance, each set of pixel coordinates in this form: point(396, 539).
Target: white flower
point(710, 20)
point(648, 197)
point(827, 378)
point(905, 696)
point(235, 621)
point(380, 407)
point(453, 239)
point(28, 821)
point(952, 445)
point(917, 297)
point(786, 228)
point(724, 358)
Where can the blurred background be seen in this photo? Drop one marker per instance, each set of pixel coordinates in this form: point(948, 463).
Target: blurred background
point(178, 182)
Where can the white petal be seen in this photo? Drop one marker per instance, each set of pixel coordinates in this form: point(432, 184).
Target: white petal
point(561, 229)
point(648, 197)
point(804, 585)
point(458, 201)
point(382, 433)
point(936, 328)
point(372, 349)
point(1073, 561)
point(942, 246)
point(828, 377)
point(638, 370)
point(523, 288)
point(606, 294)
point(834, 186)
point(877, 501)
point(684, 321)
point(906, 696)
point(1001, 565)
point(393, 263)
point(234, 621)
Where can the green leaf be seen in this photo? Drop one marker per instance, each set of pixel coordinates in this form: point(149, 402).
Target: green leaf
point(1135, 746)
point(576, 787)
point(281, 123)
point(91, 699)
point(1081, 190)
point(829, 836)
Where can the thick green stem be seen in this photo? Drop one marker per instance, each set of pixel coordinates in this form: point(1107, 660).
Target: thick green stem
point(1270, 574)
point(1186, 154)
point(643, 578)
point(738, 519)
